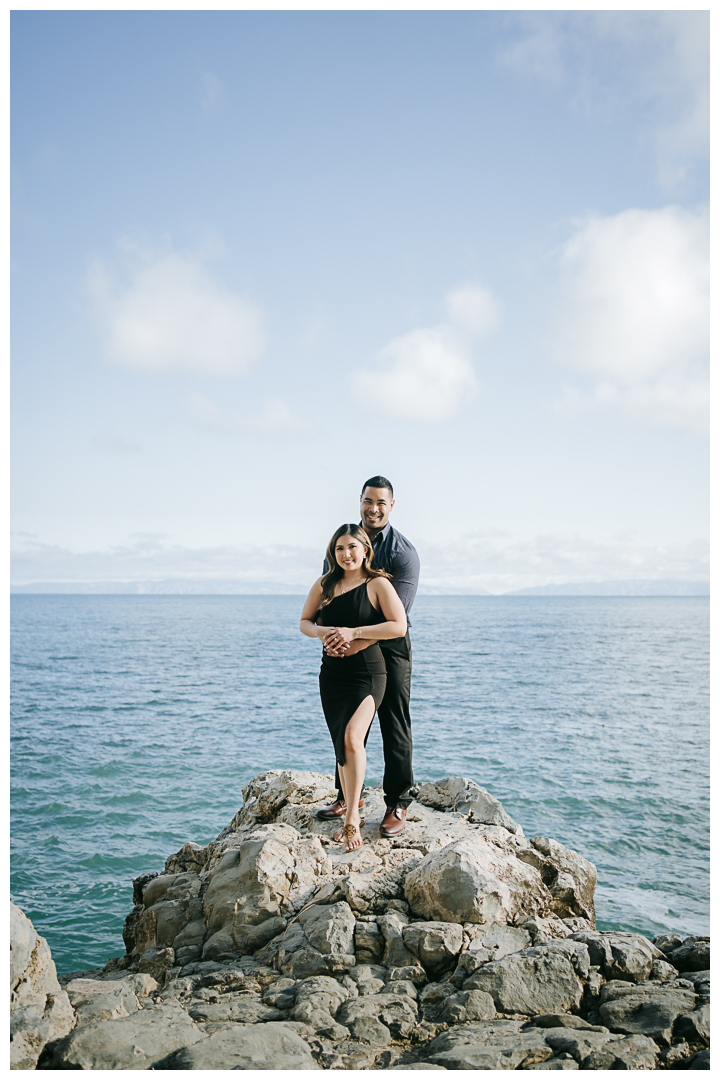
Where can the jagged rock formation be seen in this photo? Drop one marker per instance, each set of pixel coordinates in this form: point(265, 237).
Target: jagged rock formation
point(40, 1011)
point(459, 944)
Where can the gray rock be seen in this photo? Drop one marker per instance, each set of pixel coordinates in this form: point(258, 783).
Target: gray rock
point(322, 991)
point(644, 1010)
point(230, 942)
point(157, 963)
point(694, 1026)
point(417, 1065)
point(672, 1056)
point(398, 1013)
point(468, 1005)
point(701, 1060)
point(171, 909)
point(497, 1044)
point(435, 993)
point(435, 944)
point(280, 994)
point(370, 1030)
point(667, 942)
point(565, 1062)
point(317, 1017)
point(40, 1010)
point(363, 1056)
point(265, 796)
point(413, 973)
point(570, 878)
point(376, 891)
point(661, 971)
point(578, 1043)
point(365, 972)
point(396, 953)
point(136, 1042)
point(692, 955)
point(272, 1046)
point(466, 797)
point(243, 1008)
point(369, 941)
point(475, 880)
point(620, 955)
point(191, 858)
point(96, 1000)
point(400, 987)
point(501, 941)
point(249, 884)
point(488, 945)
point(699, 979)
point(330, 929)
point(635, 1052)
point(563, 1020)
point(538, 980)
point(432, 1001)
point(319, 942)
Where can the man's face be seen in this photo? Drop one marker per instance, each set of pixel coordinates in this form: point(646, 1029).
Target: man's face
point(375, 507)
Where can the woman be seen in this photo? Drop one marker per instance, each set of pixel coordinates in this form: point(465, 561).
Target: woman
point(351, 608)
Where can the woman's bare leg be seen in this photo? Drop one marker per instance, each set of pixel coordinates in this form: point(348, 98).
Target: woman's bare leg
point(353, 773)
point(341, 773)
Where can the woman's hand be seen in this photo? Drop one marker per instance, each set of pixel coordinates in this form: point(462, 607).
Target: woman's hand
point(338, 639)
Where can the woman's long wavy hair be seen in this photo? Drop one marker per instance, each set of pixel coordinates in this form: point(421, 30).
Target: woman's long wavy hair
point(335, 573)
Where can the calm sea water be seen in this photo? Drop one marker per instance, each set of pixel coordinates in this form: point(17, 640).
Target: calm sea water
point(137, 719)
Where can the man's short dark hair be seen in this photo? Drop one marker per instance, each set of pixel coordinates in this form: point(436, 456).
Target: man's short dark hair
point(378, 482)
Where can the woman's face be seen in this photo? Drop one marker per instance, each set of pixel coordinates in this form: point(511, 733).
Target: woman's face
point(349, 553)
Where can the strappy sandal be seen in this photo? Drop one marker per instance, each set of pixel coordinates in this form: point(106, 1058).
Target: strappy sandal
point(338, 834)
point(348, 832)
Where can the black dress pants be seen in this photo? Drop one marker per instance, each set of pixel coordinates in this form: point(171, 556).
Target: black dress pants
point(394, 717)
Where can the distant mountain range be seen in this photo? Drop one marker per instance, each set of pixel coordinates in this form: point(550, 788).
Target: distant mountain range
point(233, 587)
point(637, 587)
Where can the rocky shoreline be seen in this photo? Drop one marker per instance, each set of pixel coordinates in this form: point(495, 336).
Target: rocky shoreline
point(459, 944)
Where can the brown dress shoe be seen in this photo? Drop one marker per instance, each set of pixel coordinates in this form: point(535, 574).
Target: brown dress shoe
point(394, 821)
point(337, 810)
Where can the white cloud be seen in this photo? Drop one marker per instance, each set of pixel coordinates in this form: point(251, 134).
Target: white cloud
point(275, 419)
point(426, 374)
point(501, 563)
point(152, 558)
point(538, 52)
point(172, 316)
point(473, 310)
point(489, 560)
point(600, 59)
point(633, 312)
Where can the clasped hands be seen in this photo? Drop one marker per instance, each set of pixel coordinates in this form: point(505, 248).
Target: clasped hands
point(341, 641)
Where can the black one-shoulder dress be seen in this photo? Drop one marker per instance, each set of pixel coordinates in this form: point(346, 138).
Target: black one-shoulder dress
point(345, 681)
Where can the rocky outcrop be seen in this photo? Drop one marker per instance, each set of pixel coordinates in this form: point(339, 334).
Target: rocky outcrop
point(40, 1010)
point(459, 944)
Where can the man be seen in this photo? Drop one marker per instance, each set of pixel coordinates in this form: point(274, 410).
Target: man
point(394, 553)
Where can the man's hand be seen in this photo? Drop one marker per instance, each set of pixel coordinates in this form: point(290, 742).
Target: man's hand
point(357, 646)
point(343, 649)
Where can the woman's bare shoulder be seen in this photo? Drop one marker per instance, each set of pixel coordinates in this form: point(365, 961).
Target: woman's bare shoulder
point(381, 585)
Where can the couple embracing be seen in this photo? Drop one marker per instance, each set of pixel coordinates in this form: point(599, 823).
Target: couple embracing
point(359, 609)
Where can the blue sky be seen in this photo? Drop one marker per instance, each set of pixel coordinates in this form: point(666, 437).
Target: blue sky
point(260, 256)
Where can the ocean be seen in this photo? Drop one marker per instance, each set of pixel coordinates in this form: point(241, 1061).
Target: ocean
point(136, 720)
